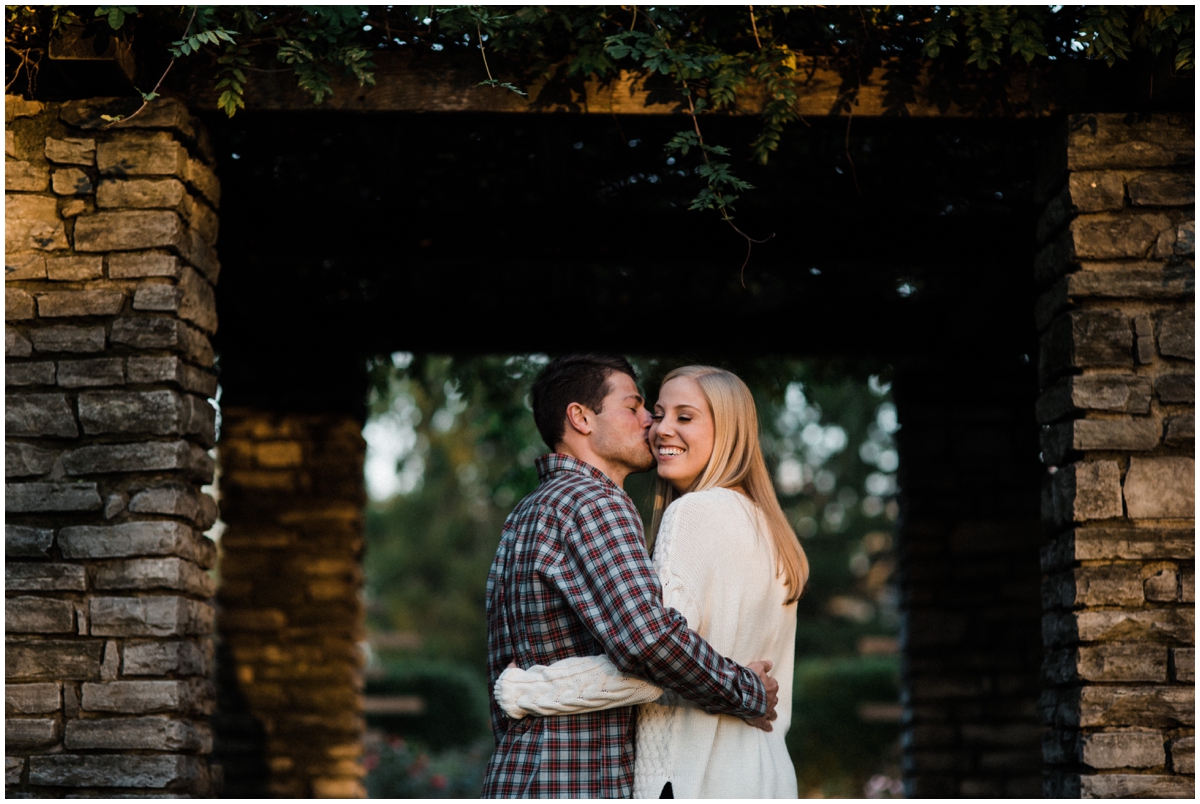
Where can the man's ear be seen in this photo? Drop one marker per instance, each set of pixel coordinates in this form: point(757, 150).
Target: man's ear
point(579, 418)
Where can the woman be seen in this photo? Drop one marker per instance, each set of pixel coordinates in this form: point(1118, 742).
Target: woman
point(731, 564)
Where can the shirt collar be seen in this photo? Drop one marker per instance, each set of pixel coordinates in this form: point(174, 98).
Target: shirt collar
point(556, 463)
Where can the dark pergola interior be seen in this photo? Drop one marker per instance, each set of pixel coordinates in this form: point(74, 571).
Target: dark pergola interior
point(345, 236)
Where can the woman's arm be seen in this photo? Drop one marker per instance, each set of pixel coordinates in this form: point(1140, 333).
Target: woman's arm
point(570, 686)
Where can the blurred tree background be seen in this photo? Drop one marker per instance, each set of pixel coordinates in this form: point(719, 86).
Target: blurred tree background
point(451, 448)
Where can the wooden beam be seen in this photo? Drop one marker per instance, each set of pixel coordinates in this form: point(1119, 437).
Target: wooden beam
point(449, 82)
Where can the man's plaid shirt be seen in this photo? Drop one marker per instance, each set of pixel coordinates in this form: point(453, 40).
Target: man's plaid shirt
point(571, 578)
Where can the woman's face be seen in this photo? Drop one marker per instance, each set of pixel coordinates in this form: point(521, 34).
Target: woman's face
point(681, 433)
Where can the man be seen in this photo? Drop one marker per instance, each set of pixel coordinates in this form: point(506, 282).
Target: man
point(572, 578)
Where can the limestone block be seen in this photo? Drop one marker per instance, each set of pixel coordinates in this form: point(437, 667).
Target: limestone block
point(71, 181)
point(1097, 191)
point(15, 107)
point(156, 573)
point(173, 370)
point(158, 658)
point(39, 415)
point(162, 113)
point(1086, 491)
point(1130, 434)
point(23, 374)
point(1183, 755)
point(152, 733)
point(156, 154)
point(18, 305)
point(64, 338)
point(74, 207)
point(200, 176)
point(202, 255)
point(21, 541)
point(31, 223)
point(155, 538)
point(1105, 141)
point(144, 697)
point(80, 303)
point(161, 332)
point(51, 659)
point(32, 699)
point(155, 412)
point(136, 265)
point(38, 615)
point(10, 144)
point(147, 456)
point(201, 217)
point(41, 577)
point(13, 766)
point(29, 732)
point(1178, 389)
point(1180, 430)
point(1142, 707)
point(1112, 585)
point(24, 266)
point(1120, 663)
point(35, 497)
point(1163, 586)
point(176, 499)
point(115, 770)
point(71, 150)
point(1184, 661)
point(158, 616)
point(141, 193)
point(1122, 749)
point(1144, 280)
point(157, 296)
point(25, 176)
point(16, 344)
point(199, 304)
point(1127, 785)
point(87, 373)
point(1177, 334)
point(1185, 239)
point(1086, 339)
point(23, 460)
point(1151, 625)
point(1162, 189)
point(74, 268)
point(130, 231)
point(1187, 585)
point(1160, 488)
point(1110, 236)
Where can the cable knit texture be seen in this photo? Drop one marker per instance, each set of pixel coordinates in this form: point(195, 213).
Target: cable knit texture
point(716, 561)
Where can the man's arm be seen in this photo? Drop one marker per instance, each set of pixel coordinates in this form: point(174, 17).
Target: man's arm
point(607, 578)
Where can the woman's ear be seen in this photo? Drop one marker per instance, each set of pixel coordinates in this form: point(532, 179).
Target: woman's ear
point(579, 417)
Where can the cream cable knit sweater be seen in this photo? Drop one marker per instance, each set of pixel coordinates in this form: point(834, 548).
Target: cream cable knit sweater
point(717, 566)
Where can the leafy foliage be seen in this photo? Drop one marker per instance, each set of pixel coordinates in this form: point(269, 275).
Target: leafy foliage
point(712, 54)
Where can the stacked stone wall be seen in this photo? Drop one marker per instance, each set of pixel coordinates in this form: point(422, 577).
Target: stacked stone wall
point(290, 680)
point(1117, 321)
point(109, 275)
point(968, 539)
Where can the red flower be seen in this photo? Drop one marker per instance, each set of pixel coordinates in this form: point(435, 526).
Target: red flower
point(438, 781)
point(371, 761)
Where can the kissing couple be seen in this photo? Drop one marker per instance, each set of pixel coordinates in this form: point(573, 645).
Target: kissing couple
point(614, 675)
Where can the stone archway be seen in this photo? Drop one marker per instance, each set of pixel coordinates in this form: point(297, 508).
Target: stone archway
point(110, 277)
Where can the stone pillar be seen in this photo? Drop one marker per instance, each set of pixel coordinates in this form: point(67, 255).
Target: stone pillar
point(109, 274)
point(967, 540)
point(1117, 325)
point(291, 618)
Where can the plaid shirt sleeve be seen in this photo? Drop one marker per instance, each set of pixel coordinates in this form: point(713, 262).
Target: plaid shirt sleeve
point(607, 578)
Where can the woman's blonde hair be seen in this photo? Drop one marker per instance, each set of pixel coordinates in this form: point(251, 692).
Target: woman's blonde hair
point(737, 463)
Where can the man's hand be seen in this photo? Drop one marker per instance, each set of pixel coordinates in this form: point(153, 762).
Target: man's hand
point(761, 669)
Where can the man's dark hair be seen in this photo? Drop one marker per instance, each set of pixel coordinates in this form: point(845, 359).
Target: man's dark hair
point(572, 378)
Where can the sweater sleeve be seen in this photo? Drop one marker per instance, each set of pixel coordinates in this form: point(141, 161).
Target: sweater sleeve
point(570, 686)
